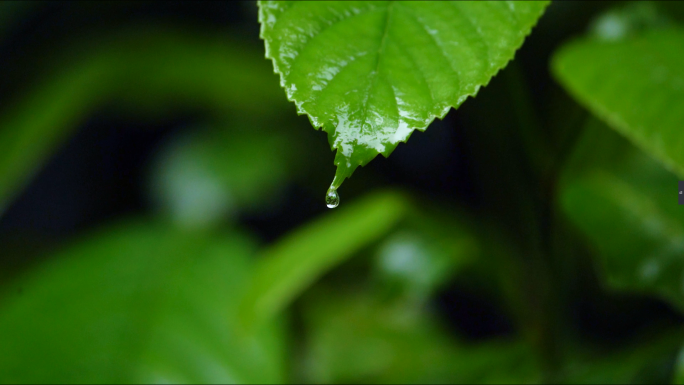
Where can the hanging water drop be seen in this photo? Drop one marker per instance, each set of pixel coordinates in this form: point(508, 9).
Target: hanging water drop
point(332, 199)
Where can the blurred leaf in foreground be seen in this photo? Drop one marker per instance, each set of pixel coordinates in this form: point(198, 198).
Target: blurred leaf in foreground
point(287, 268)
point(137, 303)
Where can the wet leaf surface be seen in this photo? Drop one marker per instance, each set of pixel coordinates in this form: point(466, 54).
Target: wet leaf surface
point(370, 72)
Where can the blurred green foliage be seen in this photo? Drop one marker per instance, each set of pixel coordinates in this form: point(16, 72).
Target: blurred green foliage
point(201, 179)
point(550, 261)
point(618, 197)
point(632, 104)
point(138, 302)
point(361, 339)
point(144, 71)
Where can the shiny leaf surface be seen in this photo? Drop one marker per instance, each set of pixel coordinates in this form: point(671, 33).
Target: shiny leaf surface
point(371, 72)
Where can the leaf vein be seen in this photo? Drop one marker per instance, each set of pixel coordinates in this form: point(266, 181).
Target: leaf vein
point(440, 48)
point(331, 25)
point(374, 75)
point(477, 31)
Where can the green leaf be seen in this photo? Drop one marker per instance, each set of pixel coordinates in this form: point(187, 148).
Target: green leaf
point(137, 303)
point(291, 265)
point(635, 83)
point(625, 204)
point(371, 72)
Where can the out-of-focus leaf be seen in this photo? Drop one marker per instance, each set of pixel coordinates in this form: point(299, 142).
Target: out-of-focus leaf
point(679, 368)
point(355, 338)
point(425, 252)
point(137, 303)
point(371, 72)
point(288, 267)
point(628, 21)
point(149, 71)
point(207, 176)
point(625, 204)
point(635, 84)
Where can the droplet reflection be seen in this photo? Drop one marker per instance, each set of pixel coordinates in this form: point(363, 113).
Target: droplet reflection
point(332, 199)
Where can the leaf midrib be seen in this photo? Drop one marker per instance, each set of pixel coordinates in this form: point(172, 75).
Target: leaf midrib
point(381, 47)
point(378, 56)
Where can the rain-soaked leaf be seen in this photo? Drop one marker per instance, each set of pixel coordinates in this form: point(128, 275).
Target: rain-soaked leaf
point(371, 72)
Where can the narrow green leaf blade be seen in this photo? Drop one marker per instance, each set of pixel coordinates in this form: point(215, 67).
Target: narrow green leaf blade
point(296, 261)
point(371, 72)
point(635, 84)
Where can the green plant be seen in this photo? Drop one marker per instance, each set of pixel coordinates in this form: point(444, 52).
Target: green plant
point(370, 73)
point(574, 201)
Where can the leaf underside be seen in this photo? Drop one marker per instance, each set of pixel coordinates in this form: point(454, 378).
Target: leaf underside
point(371, 72)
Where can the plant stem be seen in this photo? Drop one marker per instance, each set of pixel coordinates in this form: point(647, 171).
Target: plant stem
point(537, 276)
point(529, 125)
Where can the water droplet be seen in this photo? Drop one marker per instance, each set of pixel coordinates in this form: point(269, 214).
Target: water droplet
point(332, 199)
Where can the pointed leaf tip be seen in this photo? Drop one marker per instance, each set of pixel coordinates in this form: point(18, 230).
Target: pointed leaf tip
point(371, 72)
